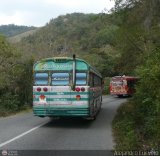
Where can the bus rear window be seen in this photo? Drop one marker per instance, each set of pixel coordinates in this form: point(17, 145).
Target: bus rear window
point(117, 83)
point(60, 79)
point(41, 79)
point(81, 78)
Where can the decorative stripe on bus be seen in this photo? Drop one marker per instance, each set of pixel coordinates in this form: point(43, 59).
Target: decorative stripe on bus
point(62, 96)
point(60, 103)
point(61, 93)
point(62, 99)
point(61, 107)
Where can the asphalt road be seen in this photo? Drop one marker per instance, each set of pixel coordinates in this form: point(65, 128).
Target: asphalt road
point(27, 132)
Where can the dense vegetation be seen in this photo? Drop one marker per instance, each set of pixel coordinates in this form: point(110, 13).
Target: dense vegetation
point(136, 125)
point(12, 30)
point(123, 42)
point(15, 79)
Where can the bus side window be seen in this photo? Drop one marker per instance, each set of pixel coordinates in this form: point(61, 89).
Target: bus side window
point(91, 83)
point(97, 81)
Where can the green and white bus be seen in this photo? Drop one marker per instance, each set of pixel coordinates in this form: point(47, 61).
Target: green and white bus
point(66, 87)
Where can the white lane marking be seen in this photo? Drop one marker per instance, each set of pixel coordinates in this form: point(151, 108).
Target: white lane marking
point(21, 135)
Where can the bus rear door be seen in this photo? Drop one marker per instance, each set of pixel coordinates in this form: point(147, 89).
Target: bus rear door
point(60, 93)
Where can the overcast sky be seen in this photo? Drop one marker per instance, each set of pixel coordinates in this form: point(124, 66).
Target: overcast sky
point(39, 12)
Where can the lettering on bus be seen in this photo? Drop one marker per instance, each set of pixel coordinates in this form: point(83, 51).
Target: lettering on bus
point(59, 78)
point(60, 99)
point(57, 66)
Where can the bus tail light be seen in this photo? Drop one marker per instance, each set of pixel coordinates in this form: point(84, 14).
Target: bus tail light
point(78, 89)
point(42, 97)
point(126, 88)
point(45, 89)
point(78, 97)
point(38, 89)
point(82, 89)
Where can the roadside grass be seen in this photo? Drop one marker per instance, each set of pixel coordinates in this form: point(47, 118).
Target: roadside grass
point(132, 133)
point(124, 128)
point(4, 112)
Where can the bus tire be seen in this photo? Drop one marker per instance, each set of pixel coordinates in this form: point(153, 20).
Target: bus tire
point(91, 118)
point(41, 116)
point(120, 96)
point(54, 118)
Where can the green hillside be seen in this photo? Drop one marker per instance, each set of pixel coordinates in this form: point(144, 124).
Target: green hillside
point(12, 30)
point(89, 36)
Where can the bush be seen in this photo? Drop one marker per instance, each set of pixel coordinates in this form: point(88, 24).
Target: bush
point(8, 104)
point(124, 128)
point(147, 100)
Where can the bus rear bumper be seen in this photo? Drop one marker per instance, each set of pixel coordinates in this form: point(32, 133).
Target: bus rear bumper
point(58, 112)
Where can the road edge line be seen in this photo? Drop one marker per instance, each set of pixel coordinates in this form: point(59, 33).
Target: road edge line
point(21, 135)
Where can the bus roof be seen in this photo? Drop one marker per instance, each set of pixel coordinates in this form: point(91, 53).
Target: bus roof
point(63, 63)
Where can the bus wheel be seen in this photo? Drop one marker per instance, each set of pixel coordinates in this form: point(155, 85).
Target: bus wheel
point(54, 118)
point(41, 116)
point(120, 96)
point(101, 99)
point(91, 118)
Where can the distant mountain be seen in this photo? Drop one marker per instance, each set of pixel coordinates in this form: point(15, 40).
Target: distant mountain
point(12, 30)
point(17, 38)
